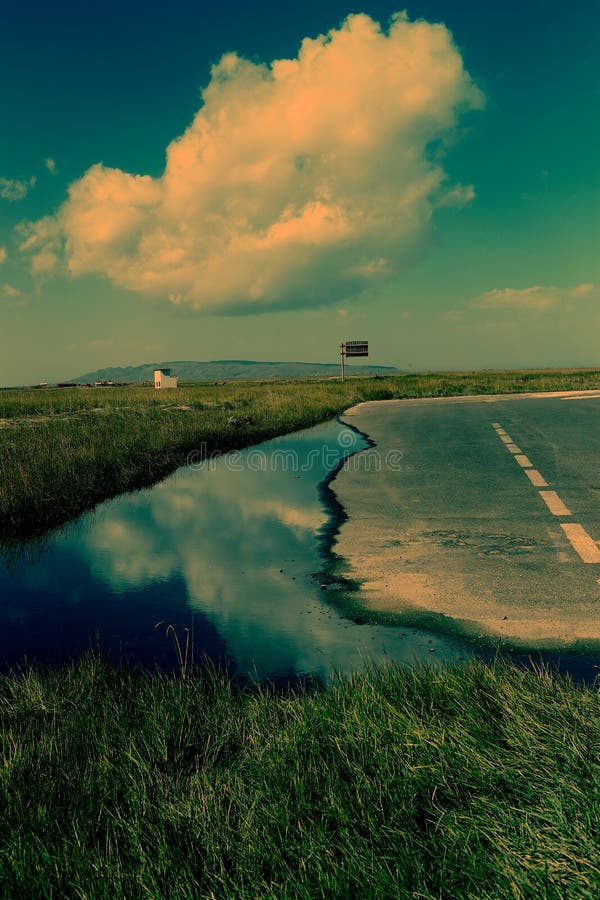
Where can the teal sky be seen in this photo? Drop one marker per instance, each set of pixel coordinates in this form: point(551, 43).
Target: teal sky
point(297, 212)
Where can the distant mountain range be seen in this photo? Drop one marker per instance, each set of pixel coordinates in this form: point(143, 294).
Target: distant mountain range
point(226, 370)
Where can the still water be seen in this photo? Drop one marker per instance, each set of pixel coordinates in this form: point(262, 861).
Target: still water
point(236, 549)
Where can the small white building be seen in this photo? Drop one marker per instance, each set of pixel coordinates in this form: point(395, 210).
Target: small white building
point(164, 379)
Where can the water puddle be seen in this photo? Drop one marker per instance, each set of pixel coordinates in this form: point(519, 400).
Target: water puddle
point(233, 549)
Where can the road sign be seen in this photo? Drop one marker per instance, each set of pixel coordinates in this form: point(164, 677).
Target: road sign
point(357, 348)
point(352, 348)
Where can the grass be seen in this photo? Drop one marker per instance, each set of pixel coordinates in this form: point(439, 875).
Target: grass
point(62, 451)
point(466, 782)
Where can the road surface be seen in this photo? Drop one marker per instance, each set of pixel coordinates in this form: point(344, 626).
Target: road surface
point(482, 510)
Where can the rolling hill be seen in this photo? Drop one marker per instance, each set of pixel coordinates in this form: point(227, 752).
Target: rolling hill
point(227, 370)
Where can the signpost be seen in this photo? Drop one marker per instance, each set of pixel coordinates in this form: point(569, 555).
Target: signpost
point(352, 348)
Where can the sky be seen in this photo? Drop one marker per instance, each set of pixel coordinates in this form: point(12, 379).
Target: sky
point(245, 181)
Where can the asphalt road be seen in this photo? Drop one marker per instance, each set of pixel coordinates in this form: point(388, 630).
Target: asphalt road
point(482, 510)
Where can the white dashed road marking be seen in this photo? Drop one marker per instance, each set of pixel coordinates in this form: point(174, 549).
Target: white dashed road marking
point(536, 478)
point(554, 503)
point(582, 542)
point(523, 461)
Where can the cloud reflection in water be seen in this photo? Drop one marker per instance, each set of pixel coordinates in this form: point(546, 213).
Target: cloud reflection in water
point(236, 546)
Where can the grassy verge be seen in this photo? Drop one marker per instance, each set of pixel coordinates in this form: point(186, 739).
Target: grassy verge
point(62, 451)
point(454, 783)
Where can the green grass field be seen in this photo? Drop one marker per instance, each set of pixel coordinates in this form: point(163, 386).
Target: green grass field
point(471, 782)
point(63, 450)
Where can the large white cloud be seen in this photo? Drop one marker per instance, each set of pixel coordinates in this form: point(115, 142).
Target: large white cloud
point(297, 184)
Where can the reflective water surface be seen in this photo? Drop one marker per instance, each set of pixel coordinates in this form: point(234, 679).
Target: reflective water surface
point(234, 550)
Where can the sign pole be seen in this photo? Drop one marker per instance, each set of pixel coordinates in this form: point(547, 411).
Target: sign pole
point(352, 348)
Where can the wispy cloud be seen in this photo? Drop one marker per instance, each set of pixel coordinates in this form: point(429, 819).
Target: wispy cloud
point(10, 291)
point(459, 196)
point(50, 165)
point(12, 189)
point(3, 254)
point(300, 183)
point(536, 298)
point(12, 296)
